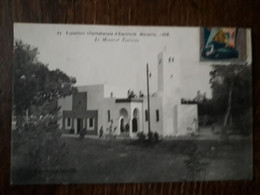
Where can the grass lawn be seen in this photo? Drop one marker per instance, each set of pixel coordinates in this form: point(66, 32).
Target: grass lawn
point(117, 161)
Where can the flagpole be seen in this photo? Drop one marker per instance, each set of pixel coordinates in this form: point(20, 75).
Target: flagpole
point(148, 98)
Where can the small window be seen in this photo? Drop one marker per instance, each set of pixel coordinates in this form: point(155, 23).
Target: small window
point(146, 115)
point(108, 115)
point(91, 124)
point(171, 59)
point(157, 115)
point(68, 123)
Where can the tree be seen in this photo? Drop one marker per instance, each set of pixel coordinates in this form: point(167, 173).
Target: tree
point(36, 91)
point(232, 92)
point(131, 94)
point(34, 83)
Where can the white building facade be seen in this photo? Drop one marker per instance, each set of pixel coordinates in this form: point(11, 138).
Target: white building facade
point(97, 107)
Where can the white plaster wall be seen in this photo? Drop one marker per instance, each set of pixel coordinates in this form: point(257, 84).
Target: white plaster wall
point(168, 117)
point(117, 91)
point(64, 104)
point(109, 104)
point(160, 72)
point(155, 103)
point(185, 117)
point(171, 75)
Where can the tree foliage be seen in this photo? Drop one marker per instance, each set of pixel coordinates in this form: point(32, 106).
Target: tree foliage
point(36, 91)
point(232, 93)
point(131, 94)
point(34, 83)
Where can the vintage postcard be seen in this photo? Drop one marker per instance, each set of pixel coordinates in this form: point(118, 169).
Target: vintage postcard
point(129, 104)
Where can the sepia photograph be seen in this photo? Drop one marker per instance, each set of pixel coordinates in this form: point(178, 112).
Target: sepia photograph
point(131, 104)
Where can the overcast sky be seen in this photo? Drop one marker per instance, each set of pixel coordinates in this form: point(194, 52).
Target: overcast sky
point(73, 49)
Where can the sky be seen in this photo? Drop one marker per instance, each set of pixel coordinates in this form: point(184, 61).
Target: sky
point(117, 55)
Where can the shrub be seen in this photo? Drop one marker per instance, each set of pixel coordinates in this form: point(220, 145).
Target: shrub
point(153, 137)
point(156, 136)
point(41, 150)
point(141, 136)
point(150, 136)
point(71, 131)
point(244, 124)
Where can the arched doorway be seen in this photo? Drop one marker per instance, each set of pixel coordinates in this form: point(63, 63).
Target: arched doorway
point(135, 120)
point(124, 127)
point(134, 125)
